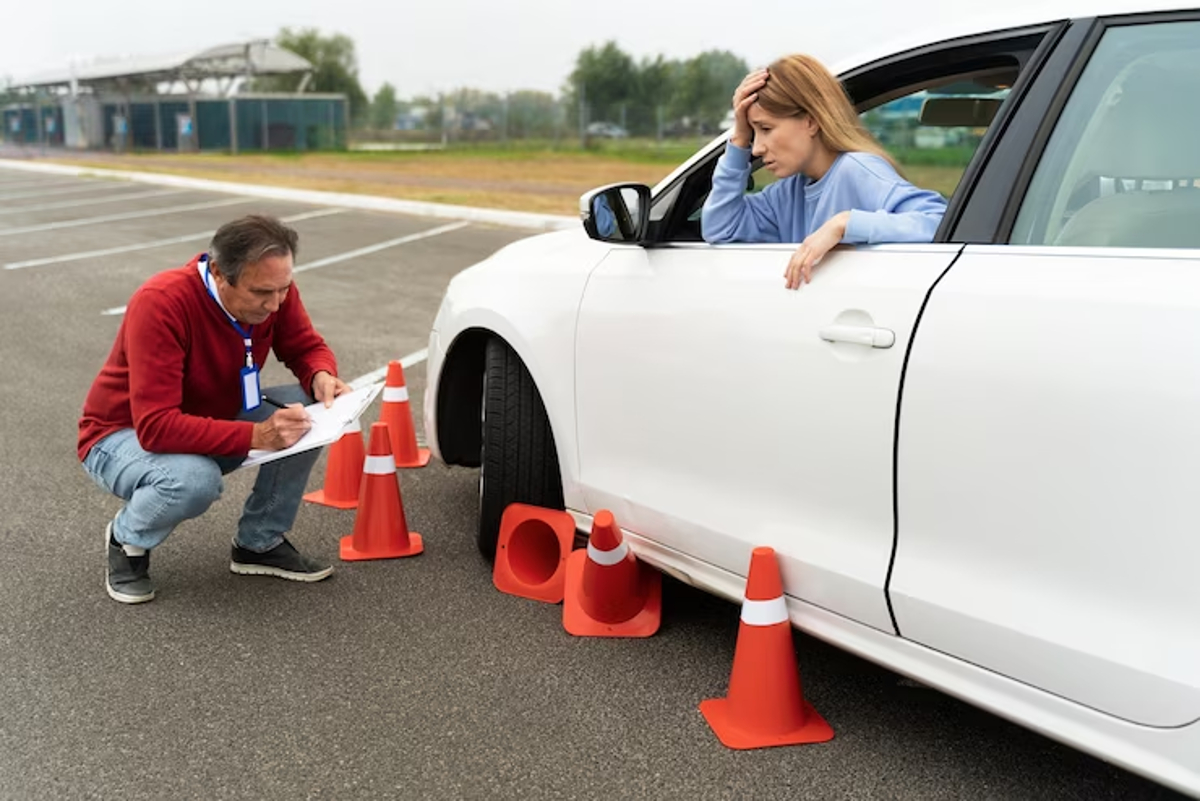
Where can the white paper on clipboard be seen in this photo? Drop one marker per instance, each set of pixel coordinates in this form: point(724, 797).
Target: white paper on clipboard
point(328, 424)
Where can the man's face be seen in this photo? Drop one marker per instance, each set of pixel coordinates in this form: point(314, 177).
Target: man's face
point(260, 290)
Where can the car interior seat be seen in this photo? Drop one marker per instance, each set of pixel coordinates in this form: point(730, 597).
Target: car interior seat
point(1144, 162)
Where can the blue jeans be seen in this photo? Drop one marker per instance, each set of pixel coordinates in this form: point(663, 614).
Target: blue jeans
point(161, 490)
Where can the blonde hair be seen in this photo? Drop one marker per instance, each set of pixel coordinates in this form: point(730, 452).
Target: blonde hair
point(800, 85)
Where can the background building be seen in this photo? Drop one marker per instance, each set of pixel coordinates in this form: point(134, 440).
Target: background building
point(195, 101)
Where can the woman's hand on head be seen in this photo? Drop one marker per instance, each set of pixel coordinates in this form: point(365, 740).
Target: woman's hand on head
point(813, 249)
point(744, 97)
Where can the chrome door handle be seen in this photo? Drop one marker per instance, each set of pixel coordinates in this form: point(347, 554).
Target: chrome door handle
point(859, 335)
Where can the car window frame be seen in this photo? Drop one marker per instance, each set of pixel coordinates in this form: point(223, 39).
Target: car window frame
point(888, 78)
point(1094, 32)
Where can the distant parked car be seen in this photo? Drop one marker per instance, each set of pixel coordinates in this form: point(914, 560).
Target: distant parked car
point(976, 458)
point(607, 130)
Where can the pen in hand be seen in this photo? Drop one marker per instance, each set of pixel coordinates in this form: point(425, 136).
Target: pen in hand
point(279, 405)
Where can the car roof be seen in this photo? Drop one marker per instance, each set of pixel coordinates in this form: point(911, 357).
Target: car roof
point(985, 20)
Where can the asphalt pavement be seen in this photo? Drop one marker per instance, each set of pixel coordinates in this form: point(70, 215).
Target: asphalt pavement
point(411, 678)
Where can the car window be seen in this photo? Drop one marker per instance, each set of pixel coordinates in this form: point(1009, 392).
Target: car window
point(1122, 166)
point(932, 129)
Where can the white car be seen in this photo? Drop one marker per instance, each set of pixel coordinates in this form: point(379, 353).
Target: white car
point(978, 459)
point(607, 130)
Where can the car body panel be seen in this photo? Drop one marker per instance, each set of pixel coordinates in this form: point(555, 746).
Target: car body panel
point(668, 342)
point(1047, 467)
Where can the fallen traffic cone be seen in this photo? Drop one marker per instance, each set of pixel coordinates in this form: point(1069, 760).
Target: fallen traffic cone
point(532, 551)
point(380, 530)
point(609, 593)
point(765, 706)
point(398, 416)
point(343, 471)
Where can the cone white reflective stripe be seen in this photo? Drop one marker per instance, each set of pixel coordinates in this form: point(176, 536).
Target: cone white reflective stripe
point(379, 465)
point(607, 558)
point(395, 394)
point(764, 613)
point(352, 427)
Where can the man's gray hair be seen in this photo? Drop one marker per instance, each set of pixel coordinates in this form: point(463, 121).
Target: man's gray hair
point(249, 240)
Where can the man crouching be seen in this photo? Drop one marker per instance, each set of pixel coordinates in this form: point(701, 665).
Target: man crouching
point(177, 405)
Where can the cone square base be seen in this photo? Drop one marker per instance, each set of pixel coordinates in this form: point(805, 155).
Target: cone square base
point(718, 714)
point(319, 497)
point(532, 551)
point(576, 621)
point(348, 554)
point(421, 460)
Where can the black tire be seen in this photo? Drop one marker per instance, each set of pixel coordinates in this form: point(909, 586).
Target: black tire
point(518, 461)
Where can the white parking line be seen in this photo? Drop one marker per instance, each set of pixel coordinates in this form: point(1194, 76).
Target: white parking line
point(375, 376)
point(128, 215)
point(64, 190)
point(391, 243)
point(91, 201)
point(157, 243)
point(7, 185)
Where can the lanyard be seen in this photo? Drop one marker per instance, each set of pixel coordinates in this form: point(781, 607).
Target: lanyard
point(251, 392)
point(245, 333)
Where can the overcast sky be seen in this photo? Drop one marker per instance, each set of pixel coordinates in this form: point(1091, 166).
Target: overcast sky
point(426, 46)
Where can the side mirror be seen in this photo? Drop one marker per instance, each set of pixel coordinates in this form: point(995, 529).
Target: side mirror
point(616, 213)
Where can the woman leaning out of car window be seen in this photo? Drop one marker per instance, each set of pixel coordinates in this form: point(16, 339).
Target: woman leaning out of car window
point(838, 184)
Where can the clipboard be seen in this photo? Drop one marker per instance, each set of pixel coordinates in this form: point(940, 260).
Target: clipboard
point(328, 424)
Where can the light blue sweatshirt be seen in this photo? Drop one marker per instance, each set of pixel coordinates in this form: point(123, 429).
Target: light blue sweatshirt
point(883, 206)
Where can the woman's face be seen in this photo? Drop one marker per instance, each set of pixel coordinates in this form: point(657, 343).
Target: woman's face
point(787, 144)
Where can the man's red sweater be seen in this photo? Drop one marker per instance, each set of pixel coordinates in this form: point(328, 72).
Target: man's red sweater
point(174, 373)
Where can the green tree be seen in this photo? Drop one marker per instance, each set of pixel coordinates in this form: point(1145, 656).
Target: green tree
point(656, 85)
point(335, 68)
point(384, 108)
point(706, 85)
point(606, 79)
point(532, 114)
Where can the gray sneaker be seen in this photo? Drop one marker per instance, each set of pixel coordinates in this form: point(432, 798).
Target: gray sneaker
point(282, 561)
point(127, 578)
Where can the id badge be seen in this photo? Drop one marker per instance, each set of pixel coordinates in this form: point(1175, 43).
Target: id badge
point(251, 395)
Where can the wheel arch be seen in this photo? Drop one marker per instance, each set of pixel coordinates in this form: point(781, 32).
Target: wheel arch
point(460, 396)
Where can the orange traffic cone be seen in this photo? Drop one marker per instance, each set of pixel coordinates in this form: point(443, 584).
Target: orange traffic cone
point(609, 593)
point(765, 705)
point(395, 412)
point(343, 471)
point(531, 554)
point(380, 530)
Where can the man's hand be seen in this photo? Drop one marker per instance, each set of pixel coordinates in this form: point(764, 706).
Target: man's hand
point(326, 387)
point(814, 248)
point(282, 429)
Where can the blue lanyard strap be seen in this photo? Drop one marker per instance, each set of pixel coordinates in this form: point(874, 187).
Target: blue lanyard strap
point(246, 334)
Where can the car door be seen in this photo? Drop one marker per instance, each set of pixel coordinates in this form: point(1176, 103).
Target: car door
point(1049, 432)
point(718, 411)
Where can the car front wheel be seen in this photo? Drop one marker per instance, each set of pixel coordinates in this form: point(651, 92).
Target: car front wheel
point(518, 461)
